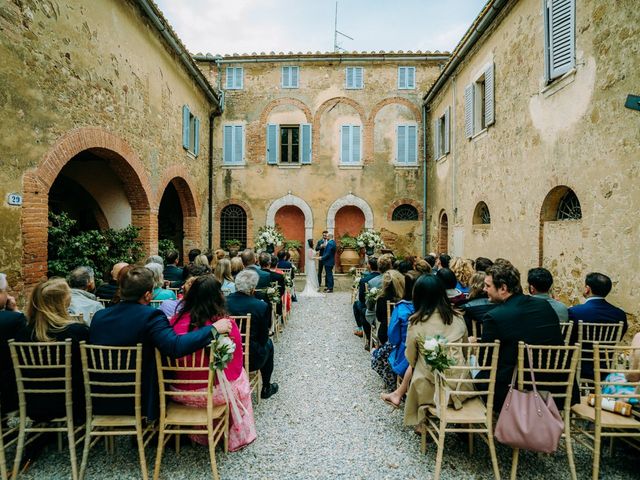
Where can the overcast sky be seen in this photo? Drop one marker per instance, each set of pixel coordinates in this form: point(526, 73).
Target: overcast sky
point(246, 26)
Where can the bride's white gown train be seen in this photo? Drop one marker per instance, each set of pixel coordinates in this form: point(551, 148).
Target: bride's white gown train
point(311, 287)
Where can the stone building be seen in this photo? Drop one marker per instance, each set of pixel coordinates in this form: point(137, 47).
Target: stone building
point(105, 115)
point(315, 141)
point(533, 155)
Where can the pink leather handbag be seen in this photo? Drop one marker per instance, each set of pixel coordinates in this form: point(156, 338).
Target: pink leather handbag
point(527, 420)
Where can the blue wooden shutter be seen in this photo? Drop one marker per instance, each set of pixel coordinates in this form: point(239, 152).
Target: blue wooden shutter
point(356, 142)
point(294, 77)
point(402, 77)
point(401, 136)
point(239, 80)
point(285, 77)
point(185, 126)
point(447, 117)
point(359, 77)
point(227, 145)
point(272, 144)
point(238, 144)
point(412, 145)
point(560, 44)
point(349, 79)
point(196, 136)
point(411, 77)
point(345, 143)
point(436, 139)
point(305, 143)
point(230, 77)
point(489, 110)
point(468, 111)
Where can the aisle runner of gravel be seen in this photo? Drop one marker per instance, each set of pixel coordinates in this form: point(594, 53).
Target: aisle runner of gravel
point(327, 422)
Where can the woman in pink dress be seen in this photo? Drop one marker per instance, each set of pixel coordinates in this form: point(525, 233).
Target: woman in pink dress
point(204, 304)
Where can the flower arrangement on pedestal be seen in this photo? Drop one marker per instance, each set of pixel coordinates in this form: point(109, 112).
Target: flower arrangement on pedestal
point(268, 238)
point(370, 240)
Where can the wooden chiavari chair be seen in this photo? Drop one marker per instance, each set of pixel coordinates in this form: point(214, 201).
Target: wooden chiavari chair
point(255, 378)
point(588, 333)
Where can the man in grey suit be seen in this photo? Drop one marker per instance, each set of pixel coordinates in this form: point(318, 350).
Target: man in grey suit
point(540, 281)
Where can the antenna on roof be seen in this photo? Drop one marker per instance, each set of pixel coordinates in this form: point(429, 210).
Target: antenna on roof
point(336, 47)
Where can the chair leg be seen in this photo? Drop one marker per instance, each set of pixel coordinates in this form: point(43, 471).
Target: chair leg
point(177, 440)
point(494, 457)
point(156, 469)
point(85, 450)
point(143, 458)
point(569, 444)
point(436, 474)
point(3, 462)
point(596, 452)
point(423, 441)
point(470, 443)
point(212, 453)
point(72, 449)
point(19, 448)
point(514, 463)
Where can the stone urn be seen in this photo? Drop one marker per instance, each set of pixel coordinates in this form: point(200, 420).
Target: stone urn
point(349, 258)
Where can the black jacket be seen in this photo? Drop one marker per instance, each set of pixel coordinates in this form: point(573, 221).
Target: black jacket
point(10, 324)
point(239, 303)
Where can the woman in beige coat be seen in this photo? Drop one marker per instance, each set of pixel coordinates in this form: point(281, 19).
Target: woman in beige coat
point(434, 316)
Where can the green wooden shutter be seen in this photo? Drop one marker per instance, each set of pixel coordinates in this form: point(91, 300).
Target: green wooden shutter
point(185, 126)
point(489, 110)
point(305, 143)
point(196, 136)
point(272, 144)
point(468, 111)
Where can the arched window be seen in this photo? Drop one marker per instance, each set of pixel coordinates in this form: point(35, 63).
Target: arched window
point(405, 212)
point(569, 207)
point(233, 225)
point(481, 215)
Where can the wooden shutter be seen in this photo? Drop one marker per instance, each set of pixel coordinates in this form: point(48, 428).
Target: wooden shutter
point(239, 80)
point(402, 144)
point(230, 77)
point(436, 139)
point(447, 130)
point(412, 145)
point(402, 77)
point(196, 136)
point(411, 77)
point(185, 126)
point(238, 144)
point(359, 77)
point(305, 143)
point(356, 142)
point(272, 144)
point(560, 44)
point(345, 143)
point(489, 115)
point(227, 145)
point(293, 77)
point(285, 77)
point(468, 111)
point(349, 80)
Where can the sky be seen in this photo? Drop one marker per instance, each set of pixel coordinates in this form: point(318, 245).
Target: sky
point(246, 26)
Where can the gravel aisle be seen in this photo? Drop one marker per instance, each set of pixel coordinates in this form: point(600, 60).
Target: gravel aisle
point(327, 422)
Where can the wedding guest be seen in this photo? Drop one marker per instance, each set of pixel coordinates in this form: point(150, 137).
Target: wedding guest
point(462, 269)
point(83, 302)
point(223, 275)
point(202, 261)
point(243, 302)
point(442, 261)
point(359, 306)
point(107, 290)
point(220, 254)
point(449, 280)
point(286, 296)
point(11, 322)
point(155, 259)
point(431, 260)
point(193, 253)
point(283, 262)
point(540, 281)
point(236, 266)
point(172, 271)
point(249, 261)
point(204, 305)
point(422, 267)
point(159, 293)
point(476, 305)
point(482, 263)
point(385, 262)
point(117, 296)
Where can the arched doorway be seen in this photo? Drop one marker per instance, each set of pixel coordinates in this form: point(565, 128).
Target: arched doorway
point(443, 233)
point(350, 221)
point(290, 219)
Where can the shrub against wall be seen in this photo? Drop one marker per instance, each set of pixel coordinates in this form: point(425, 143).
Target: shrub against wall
point(70, 248)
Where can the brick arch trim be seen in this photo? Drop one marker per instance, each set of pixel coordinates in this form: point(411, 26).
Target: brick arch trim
point(398, 101)
point(184, 184)
point(349, 200)
point(549, 205)
point(264, 116)
point(36, 184)
point(367, 130)
point(247, 209)
point(405, 201)
point(292, 200)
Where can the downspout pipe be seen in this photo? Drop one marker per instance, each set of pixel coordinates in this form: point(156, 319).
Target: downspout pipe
point(212, 116)
point(424, 181)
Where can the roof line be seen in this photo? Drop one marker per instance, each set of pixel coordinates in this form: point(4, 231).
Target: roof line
point(312, 58)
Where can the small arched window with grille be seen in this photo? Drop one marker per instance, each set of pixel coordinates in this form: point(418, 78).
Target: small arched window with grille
point(569, 207)
point(233, 225)
point(405, 212)
point(481, 215)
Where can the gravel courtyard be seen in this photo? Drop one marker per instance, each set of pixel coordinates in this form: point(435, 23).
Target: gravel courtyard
point(327, 422)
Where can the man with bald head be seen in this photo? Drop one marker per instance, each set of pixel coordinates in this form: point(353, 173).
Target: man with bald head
point(108, 290)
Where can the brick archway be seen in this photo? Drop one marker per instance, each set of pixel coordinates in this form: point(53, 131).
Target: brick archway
point(414, 109)
point(405, 201)
point(367, 132)
point(247, 210)
point(182, 181)
point(122, 160)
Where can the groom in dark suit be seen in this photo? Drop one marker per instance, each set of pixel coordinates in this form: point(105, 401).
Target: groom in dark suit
point(320, 246)
point(329, 261)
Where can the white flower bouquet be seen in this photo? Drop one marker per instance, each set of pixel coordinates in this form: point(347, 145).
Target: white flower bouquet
point(434, 352)
point(371, 296)
point(370, 239)
point(222, 349)
point(268, 236)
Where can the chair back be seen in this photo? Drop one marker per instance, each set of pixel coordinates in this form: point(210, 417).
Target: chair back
point(588, 333)
point(104, 301)
point(155, 303)
point(462, 379)
point(286, 272)
point(360, 271)
point(244, 325)
point(175, 290)
point(390, 307)
point(112, 374)
point(623, 387)
point(554, 370)
point(566, 328)
point(80, 317)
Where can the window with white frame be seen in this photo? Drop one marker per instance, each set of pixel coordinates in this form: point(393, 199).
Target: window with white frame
point(406, 78)
point(235, 80)
point(559, 37)
point(350, 144)
point(190, 131)
point(479, 103)
point(290, 77)
point(289, 144)
point(233, 145)
point(441, 134)
point(407, 145)
point(354, 78)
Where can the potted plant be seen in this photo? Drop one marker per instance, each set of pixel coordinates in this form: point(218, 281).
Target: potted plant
point(233, 245)
point(348, 252)
point(268, 239)
point(293, 247)
point(370, 240)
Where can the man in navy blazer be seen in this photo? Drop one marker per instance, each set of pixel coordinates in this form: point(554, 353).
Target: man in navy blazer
point(249, 261)
point(329, 261)
point(133, 321)
point(595, 309)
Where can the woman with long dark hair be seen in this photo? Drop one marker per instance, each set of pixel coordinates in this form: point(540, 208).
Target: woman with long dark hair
point(311, 287)
point(204, 304)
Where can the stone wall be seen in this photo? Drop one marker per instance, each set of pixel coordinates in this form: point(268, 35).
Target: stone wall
point(576, 133)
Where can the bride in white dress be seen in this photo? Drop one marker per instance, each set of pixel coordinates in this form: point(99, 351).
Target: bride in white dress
point(311, 288)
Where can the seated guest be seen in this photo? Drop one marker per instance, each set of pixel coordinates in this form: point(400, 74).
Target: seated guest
point(173, 307)
point(385, 262)
point(431, 260)
point(359, 305)
point(540, 281)
point(212, 260)
point(84, 303)
point(283, 262)
point(476, 305)
point(517, 318)
point(11, 322)
point(434, 315)
point(276, 277)
point(133, 321)
point(159, 293)
point(236, 266)
point(155, 259)
point(482, 263)
point(202, 261)
point(193, 253)
point(223, 275)
point(442, 261)
point(449, 280)
point(242, 302)
point(462, 268)
point(108, 290)
point(595, 309)
point(422, 267)
point(48, 321)
point(393, 289)
point(219, 254)
point(249, 261)
point(204, 305)
point(172, 271)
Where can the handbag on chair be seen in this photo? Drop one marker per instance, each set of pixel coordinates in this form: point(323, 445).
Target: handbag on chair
point(529, 420)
